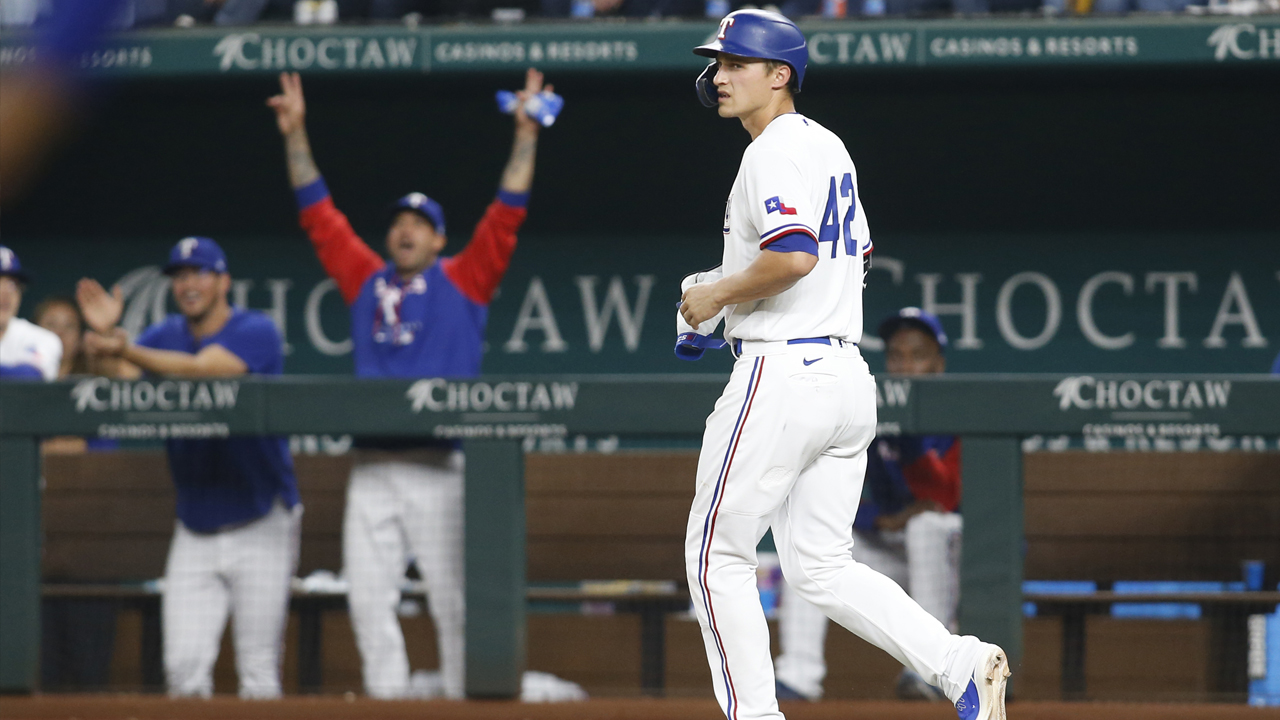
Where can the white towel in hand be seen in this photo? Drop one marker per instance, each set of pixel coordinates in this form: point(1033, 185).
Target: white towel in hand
point(691, 342)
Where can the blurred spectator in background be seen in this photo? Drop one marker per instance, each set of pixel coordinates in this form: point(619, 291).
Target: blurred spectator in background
point(907, 526)
point(218, 12)
point(397, 9)
point(855, 8)
point(27, 351)
point(60, 316)
point(127, 14)
point(235, 544)
point(1275, 367)
point(1128, 6)
point(627, 8)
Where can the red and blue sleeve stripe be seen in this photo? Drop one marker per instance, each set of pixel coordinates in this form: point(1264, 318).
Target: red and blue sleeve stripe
point(310, 194)
point(792, 237)
point(791, 228)
point(513, 199)
point(793, 242)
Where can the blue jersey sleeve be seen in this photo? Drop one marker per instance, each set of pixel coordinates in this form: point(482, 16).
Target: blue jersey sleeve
point(21, 372)
point(155, 336)
point(256, 341)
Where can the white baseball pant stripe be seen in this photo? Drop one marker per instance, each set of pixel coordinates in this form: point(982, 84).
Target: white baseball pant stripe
point(795, 461)
point(924, 559)
point(708, 531)
point(243, 572)
point(395, 509)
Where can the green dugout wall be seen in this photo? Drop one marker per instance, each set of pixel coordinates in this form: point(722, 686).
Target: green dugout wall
point(499, 411)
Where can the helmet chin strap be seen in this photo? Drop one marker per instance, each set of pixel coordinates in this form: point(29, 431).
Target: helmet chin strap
point(706, 86)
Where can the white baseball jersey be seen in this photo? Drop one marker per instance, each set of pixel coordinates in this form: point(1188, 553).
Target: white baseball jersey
point(797, 177)
point(786, 445)
point(28, 349)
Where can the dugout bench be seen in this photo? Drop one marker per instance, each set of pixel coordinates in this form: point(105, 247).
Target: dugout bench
point(989, 412)
point(651, 604)
point(1228, 611)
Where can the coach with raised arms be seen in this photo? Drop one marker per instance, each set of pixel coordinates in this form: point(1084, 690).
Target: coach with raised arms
point(416, 315)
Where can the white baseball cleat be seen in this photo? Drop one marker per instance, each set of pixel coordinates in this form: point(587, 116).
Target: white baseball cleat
point(984, 698)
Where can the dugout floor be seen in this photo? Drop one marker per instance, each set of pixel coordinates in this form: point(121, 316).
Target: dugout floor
point(138, 707)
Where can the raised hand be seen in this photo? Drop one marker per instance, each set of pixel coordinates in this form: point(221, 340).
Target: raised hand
point(290, 105)
point(101, 309)
point(291, 119)
point(532, 86)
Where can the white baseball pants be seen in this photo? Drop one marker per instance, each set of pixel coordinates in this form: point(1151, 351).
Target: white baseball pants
point(245, 573)
point(924, 559)
point(394, 509)
point(786, 447)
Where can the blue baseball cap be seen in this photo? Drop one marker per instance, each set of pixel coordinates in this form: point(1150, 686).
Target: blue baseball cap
point(424, 206)
point(917, 318)
point(11, 266)
point(196, 252)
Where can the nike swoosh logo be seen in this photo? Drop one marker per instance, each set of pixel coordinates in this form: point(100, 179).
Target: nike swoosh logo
point(810, 362)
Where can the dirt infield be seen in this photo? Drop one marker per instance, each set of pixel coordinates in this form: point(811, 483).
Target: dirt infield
point(142, 707)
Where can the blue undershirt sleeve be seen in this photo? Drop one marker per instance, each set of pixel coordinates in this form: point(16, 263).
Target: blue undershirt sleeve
point(513, 199)
point(309, 195)
point(794, 242)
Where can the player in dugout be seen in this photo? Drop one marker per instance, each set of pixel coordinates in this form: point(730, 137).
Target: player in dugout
point(27, 351)
point(235, 543)
point(907, 527)
point(417, 315)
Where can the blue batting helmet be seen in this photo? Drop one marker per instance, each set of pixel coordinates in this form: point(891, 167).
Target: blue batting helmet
point(754, 34)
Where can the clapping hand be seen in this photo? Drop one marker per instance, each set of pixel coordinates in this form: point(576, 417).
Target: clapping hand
point(109, 344)
point(101, 309)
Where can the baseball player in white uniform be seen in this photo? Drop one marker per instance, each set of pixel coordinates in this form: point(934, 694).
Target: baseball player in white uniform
point(786, 445)
point(27, 351)
point(907, 527)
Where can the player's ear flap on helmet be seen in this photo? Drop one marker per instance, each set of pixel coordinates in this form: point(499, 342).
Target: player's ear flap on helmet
point(706, 85)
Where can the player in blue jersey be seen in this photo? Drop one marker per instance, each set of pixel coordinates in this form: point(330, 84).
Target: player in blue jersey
point(235, 544)
point(417, 315)
point(907, 527)
point(27, 351)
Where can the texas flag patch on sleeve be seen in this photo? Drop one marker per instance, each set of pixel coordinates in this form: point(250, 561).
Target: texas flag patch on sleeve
point(775, 205)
